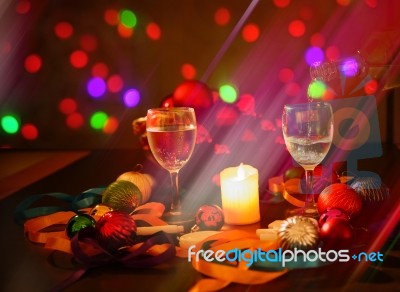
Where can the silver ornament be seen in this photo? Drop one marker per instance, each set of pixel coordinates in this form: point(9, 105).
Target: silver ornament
point(370, 189)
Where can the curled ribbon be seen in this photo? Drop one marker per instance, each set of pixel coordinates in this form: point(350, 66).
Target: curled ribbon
point(222, 274)
point(289, 189)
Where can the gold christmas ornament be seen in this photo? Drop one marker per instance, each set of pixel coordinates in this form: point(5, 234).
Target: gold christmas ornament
point(298, 232)
point(145, 182)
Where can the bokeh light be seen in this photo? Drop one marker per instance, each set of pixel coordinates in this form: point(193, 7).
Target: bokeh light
point(63, 30)
point(228, 93)
point(111, 17)
point(88, 42)
point(124, 32)
point(286, 75)
point(127, 18)
point(371, 3)
point(153, 31)
point(33, 63)
point(281, 3)
point(349, 67)
point(100, 70)
point(332, 53)
point(316, 89)
point(317, 40)
point(314, 54)
point(115, 83)
point(23, 7)
point(292, 89)
point(78, 59)
point(98, 120)
point(67, 106)
point(250, 32)
point(343, 2)
point(188, 71)
point(111, 125)
point(96, 87)
point(74, 120)
point(29, 132)
point(371, 86)
point(10, 124)
point(297, 28)
point(131, 97)
point(222, 16)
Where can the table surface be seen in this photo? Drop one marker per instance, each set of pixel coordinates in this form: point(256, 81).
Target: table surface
point(30, 267)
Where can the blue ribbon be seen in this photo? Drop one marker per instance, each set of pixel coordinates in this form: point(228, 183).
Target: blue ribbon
point(86, 199)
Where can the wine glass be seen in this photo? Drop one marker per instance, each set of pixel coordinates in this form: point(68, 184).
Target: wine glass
point(171, 133)
point(308, 131)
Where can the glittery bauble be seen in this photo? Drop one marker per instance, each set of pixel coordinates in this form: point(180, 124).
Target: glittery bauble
point(370, 189)
point(122, 196)
point(116, 231)
point(209, 217)
point(333, 213)
point(336, 234)
point(99, 210)
point(298, 232)
point(77, 223)
point(339, 196)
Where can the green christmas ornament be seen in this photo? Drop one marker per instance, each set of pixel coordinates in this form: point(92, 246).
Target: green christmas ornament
point(79, 222)
point(122, 196)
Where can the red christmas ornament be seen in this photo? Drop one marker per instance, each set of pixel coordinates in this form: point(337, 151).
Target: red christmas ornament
point(339, 196)
point(209, 217)
point(336, 234)
point(116, 231)
point(192, 93)
point(332, 213)
point(167, 102)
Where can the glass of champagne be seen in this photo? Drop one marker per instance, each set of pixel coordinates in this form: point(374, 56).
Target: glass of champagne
point(308, 131)
point(171, 133)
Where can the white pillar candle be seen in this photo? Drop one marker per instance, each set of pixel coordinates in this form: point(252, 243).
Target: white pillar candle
point(239, 191)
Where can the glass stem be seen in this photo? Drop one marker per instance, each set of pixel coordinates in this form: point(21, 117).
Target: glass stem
point(176, 202)
point(309, 189)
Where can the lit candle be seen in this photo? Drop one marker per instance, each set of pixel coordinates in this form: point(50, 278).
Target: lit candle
point(239, 191)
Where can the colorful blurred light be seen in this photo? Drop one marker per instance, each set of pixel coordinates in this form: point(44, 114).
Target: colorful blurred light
point(292, 89)
point(88, 42)
point(317, 40)
point(96, 87)
point(188, 71)
point(314, 54)
point(29, 132)
point(371, 3)
point(23, 7)
point(343, 2)
point(33, 63)
point(67, 106)
point(124, 32)
point(153, 31)
point(332, 53)
point(98, 120)
point(297, 28)
point(250, 32)
point(131, 97)
point(100, 70)
point(10, 124)
point(78, 59)
point(74, 121)
point(286, 75)
point(115, 83)
point(371, 86)
point(63, 30)
point(316, 89)
point(111, 17)
point(228, 93)
point(111, 125)
point(349, 67)
point(222, 16)
point(127, 18)
point(281, 3)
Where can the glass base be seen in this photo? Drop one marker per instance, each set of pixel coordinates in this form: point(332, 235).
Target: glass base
point(179, 218)
point(311, 212)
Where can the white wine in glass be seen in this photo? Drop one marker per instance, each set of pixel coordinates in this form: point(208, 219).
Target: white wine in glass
point(308, 132)
point(171, 133)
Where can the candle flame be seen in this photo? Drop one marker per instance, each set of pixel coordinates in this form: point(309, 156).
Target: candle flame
point(241, 173)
